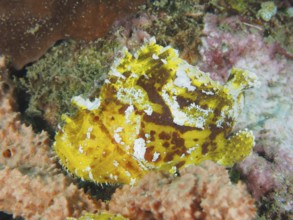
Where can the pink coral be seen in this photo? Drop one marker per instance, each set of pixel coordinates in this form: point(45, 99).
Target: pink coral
point(203, 192)
point(33, 197)
point(131, 30)
point(226, 40)
point(267, 110)
point(20, 146)
point(259, 175)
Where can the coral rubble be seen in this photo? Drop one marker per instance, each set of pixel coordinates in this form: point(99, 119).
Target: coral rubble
point(199, 192)
point(154, 111)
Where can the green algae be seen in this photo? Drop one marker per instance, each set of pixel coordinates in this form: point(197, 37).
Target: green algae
point(68, 69)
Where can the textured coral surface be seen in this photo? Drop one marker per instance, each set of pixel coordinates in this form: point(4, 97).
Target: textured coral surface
point(30, 27)
point(37, 197)
point(199, 192)
point(19, 146)
point(268, 108)
point(30, 185)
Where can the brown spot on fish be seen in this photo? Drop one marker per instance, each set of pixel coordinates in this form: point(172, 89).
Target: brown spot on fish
point(169, 157)
point(166, 144)
point(149, 153)
point(164, 136)
point(180, 164)
point(204, 149)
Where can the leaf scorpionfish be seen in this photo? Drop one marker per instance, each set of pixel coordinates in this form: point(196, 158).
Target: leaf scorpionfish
point(154, 111)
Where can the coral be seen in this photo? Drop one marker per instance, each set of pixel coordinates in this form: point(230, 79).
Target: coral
point(199, 192)
point(225, 41)
point(99, 216)
point(28, 28)
point(7, 103)
point(20, 146)
point(41, 198)
point(267, 110)
point(154, 111)
point(30, 185)
point(268, 171)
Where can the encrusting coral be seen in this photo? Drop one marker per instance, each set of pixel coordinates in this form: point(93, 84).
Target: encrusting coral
point(29, 28)
point(154, 111)
point(199, 192)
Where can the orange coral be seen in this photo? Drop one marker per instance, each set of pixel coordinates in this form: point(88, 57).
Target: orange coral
point(19, 145)
point(52, 197)
point(28, 167)
point(203, 192)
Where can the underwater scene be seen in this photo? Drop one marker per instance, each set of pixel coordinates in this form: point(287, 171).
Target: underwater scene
point(146, 110)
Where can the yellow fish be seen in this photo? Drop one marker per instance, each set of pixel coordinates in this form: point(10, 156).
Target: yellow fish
point(154, 111)
point(99, 216)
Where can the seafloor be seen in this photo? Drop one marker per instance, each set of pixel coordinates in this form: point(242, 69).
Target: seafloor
point(52, 51)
